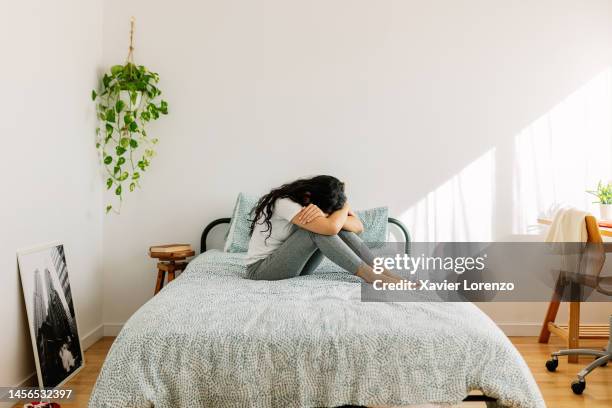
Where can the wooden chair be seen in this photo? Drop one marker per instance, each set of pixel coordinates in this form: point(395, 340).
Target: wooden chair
point(573, 332)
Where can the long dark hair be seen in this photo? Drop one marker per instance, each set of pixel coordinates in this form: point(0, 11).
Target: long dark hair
point(326, 192)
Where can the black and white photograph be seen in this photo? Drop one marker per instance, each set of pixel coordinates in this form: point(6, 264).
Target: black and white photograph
point(51, 315)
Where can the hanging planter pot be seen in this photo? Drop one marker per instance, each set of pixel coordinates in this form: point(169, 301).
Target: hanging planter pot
point(127, 100)
point(131, 99)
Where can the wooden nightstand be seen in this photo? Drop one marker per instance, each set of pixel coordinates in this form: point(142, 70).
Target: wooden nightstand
point(171, 260)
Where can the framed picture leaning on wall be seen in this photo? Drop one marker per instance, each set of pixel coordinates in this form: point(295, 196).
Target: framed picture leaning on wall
point(51, 315)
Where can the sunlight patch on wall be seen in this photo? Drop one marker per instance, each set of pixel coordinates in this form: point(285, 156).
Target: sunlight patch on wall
point(461, 209)
point(563, 153)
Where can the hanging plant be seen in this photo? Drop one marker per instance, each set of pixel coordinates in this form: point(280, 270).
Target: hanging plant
point(128, 99)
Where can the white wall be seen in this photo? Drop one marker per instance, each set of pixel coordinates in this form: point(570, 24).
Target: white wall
point(398, 98)
point(51, 189)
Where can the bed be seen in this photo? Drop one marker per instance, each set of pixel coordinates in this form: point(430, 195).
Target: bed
point(214, 339)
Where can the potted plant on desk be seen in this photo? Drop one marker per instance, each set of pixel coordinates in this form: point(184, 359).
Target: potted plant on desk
point(604, 196)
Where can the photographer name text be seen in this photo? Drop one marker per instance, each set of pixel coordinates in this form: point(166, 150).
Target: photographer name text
point(445, 285)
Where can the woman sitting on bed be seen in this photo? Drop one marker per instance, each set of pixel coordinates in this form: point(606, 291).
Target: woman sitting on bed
point(298, 223)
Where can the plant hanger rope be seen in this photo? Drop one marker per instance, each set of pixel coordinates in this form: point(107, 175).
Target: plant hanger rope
point(130, 56)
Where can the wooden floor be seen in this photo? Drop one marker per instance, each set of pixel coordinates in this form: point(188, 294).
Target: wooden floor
point(555, 386)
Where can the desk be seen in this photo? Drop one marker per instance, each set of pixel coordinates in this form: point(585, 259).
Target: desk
point(605, 231)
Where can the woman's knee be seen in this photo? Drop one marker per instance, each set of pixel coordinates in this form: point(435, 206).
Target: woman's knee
point(301, 232)
point(313, 236)
point(316, 236)
point(350, 237)
point(344, 233)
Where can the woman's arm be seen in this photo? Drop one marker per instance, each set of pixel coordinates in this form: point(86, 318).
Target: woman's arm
point(353, 224)
point(330, 225)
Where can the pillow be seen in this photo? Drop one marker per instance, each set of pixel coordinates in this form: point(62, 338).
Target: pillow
point(375, 224)
point(239, 232)
point(237, 240)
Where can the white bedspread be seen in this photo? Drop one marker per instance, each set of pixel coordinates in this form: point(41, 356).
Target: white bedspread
point(214, 339)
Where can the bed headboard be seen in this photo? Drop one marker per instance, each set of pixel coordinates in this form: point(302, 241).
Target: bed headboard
point(216, 222)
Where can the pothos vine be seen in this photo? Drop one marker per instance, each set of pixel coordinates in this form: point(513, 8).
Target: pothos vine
point(128, 99)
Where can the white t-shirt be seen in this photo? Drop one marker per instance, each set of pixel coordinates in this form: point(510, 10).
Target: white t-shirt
point(260, 246)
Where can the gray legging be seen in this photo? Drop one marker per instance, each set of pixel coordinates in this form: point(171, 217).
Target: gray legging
point(303, 251)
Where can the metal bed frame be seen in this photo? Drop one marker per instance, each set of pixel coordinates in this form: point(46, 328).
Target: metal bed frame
point(219, 221)
point(405, 233)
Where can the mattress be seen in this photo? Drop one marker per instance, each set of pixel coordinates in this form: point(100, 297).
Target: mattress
point(212, 338)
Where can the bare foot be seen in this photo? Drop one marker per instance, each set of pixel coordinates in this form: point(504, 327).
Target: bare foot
point(366, 273)
point(393, 276)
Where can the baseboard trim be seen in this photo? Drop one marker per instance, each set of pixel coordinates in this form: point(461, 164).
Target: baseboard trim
point(93, 336)
point(112, 329)
point(29, 381)
point(520, 329)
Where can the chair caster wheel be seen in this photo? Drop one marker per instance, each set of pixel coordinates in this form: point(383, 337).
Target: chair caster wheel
point(578, 386)
point(551, 365)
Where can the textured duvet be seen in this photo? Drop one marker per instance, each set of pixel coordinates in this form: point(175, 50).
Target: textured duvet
point(214, 339)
